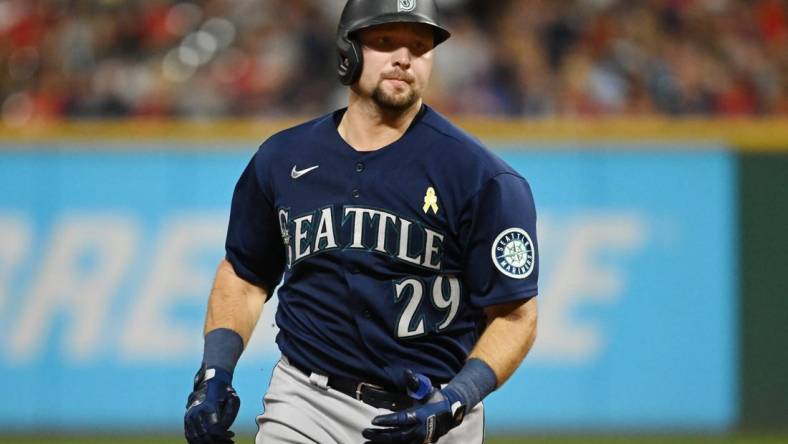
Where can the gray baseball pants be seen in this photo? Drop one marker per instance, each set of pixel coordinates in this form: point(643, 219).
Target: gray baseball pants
point(302, 410)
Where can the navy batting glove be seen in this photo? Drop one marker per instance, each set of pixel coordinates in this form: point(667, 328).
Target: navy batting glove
point(211, 408)
point(444, 410)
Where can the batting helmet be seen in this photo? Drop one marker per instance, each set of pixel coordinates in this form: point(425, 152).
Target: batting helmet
point(360, 14)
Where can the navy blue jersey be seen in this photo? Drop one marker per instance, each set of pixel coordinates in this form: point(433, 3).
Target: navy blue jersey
point(388, 257)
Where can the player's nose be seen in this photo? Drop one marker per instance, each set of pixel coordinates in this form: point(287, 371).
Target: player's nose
point(402, 57)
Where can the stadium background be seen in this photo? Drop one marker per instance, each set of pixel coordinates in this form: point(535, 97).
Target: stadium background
point(654, 133)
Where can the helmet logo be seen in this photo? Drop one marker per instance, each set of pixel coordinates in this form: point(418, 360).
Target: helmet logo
point(406, 5)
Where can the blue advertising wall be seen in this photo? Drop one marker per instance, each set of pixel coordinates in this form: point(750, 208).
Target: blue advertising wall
point(107, 256)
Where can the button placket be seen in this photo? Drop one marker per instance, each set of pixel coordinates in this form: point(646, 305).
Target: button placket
point(359, 167)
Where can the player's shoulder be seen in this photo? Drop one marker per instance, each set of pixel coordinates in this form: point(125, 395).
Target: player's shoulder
point(465, 152)
point(295, 137)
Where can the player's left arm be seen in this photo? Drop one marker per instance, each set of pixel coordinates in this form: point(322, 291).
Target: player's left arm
point(510, 334)
point(501, 265)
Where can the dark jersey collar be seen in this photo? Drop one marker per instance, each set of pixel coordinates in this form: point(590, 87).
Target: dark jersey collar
point(337, 116)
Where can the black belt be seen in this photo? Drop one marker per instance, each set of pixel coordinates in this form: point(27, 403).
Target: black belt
point(371, 394)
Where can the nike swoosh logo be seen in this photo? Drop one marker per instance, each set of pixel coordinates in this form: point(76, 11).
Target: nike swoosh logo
point(295, 174)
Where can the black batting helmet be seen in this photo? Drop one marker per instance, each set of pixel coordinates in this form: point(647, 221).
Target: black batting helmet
point(360, 14)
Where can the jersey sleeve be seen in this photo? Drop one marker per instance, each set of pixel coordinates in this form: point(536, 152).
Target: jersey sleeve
point(501, 261)
point(254, 244)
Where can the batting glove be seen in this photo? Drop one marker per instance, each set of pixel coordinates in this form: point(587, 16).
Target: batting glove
point(443, 410)
point(211, 408)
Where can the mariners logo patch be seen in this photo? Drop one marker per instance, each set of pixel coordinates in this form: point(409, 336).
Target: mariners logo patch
point(406, 5)
point(513, 253)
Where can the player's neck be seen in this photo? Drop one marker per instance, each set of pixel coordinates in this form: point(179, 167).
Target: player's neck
point(366, 127)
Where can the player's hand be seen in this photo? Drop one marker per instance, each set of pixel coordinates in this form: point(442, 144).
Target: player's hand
point(424, 423)
point(211, 408)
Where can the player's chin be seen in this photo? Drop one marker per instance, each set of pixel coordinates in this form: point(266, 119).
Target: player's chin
point(395, 100)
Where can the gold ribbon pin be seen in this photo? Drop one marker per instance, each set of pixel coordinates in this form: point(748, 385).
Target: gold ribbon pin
point(431, 201)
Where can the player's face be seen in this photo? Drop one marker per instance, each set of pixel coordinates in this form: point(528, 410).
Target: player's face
point(397, 64)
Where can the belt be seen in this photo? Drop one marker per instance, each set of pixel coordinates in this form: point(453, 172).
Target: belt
point(368, 393)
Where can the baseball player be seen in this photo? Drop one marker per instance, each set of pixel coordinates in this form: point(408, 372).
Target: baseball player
point(406, 251)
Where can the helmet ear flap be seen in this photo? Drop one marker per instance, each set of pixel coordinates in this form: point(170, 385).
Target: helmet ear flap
point(351, 60)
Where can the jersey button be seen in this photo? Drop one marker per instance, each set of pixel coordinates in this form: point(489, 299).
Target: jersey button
point(360, 167)
point(355, 193)
point(366, 314)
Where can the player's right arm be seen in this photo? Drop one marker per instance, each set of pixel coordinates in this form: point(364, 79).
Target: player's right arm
point(234, 304)
point(252, 267)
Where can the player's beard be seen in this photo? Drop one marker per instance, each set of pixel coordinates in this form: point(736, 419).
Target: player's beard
point(395, 103)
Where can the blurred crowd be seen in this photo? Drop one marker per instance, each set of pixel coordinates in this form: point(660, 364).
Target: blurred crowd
point(211, 58)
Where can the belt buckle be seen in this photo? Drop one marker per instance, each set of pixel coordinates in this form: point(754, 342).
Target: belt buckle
point(360, 387)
